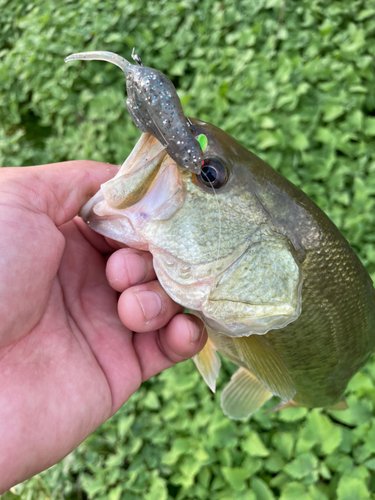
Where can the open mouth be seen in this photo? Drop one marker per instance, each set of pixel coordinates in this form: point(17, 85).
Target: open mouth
point(148, 186)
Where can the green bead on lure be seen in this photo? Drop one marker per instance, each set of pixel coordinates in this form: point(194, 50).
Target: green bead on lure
point(202, 139)
point(281, 292)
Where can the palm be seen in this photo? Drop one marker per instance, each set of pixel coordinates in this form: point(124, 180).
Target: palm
point(77, 357)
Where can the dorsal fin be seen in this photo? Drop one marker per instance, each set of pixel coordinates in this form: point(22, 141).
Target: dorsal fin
point(208, 363)
point(262, 359)
point(243, 395)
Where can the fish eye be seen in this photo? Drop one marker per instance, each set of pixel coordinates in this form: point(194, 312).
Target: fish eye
point(213, 174)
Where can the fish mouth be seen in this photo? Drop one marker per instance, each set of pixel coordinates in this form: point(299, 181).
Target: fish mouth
point(148, 186)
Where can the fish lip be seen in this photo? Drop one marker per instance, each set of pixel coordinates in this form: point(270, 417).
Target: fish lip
point(87, 208)
point(128, 188)
point(164, 195)
point(148, 152)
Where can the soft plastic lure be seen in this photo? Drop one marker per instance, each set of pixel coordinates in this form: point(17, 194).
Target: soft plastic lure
point(154, 106)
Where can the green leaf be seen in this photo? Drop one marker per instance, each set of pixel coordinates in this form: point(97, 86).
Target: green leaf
point(352, 489)
point(204, 477)
point(274, 463)
point(300, 141)
point(370, 464)
point(303, 466)
point(294, 491)
point(360, 411)
point(267, 122)
point(190, 467)
point(182, 445)
point(292, 414)
point(332, 111)
point(254, 446)
point(261, 489)
point(222, 434)
point(178, 68)
point(235, 477)
point(364, 14)
point(115, 493)
point(370, 126)
point(268, 139)
point(91, 485)
point(355, 119)
point(124, 425)
point(158, 490)
point(151, 401)
point(284, 442)
point(252, 465)
point(319, 430)
point(339, 462)
point(315, 493)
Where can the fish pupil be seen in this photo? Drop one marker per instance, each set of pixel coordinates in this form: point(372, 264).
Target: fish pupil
point(208, 174)
point(213, 174)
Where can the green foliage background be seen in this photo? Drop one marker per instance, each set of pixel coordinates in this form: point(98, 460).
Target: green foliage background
point(292, 80)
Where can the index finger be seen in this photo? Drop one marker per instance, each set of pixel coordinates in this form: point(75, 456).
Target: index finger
point(62, 188)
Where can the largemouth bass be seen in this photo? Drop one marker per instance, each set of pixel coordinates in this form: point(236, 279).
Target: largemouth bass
point(279, 288)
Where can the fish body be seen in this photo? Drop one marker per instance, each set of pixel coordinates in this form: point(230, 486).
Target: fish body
point(259, 262)
point(279, 288)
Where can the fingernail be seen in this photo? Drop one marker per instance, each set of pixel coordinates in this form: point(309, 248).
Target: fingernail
point(135, 268)
point(150, 303)
point(195, 332)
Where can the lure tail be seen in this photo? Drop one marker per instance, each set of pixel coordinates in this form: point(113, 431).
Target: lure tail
point(100, 56)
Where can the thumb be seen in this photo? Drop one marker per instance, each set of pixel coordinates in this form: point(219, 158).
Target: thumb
point(60, 189)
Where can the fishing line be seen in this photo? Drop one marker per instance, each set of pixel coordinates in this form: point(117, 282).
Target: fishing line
point(201, 335)
point(217, 256)
point(219, 240)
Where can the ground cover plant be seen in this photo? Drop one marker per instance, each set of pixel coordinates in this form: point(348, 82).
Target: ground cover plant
point(291, 80)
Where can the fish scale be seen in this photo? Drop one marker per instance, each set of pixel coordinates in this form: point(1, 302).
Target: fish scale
point(343, 327)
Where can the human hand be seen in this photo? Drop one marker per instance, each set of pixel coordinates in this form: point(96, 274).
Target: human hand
point(67, 361)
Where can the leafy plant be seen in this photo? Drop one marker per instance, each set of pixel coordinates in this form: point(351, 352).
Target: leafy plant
point(293, 81)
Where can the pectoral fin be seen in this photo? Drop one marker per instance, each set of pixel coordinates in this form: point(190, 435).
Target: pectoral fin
point(208, 363)
point(262, 359)
point(243, 395)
